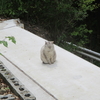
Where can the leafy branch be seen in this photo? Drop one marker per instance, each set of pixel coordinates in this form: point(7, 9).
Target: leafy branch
point(5, 43)
point(12, 39)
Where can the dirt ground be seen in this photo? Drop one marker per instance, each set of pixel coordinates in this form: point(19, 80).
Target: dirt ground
point(35, 29)
point(5, 90)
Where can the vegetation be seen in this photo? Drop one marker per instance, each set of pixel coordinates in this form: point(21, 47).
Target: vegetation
point(5, 43)
point(63, 18)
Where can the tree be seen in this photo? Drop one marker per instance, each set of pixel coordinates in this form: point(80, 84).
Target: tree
point(63, 18)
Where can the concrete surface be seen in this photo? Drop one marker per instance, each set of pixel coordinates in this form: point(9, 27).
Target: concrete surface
point(69, 78)
point(10, 23)
point(32, 86)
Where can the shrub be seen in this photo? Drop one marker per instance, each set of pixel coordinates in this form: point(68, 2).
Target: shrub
point(63, 18)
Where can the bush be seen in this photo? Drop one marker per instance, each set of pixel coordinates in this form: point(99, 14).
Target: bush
point(63, 18)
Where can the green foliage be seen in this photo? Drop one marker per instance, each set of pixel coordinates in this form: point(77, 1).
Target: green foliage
point(63, 18)
point(81, 35)
point(5, 43)
point(12, 39)
point(12, 8)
